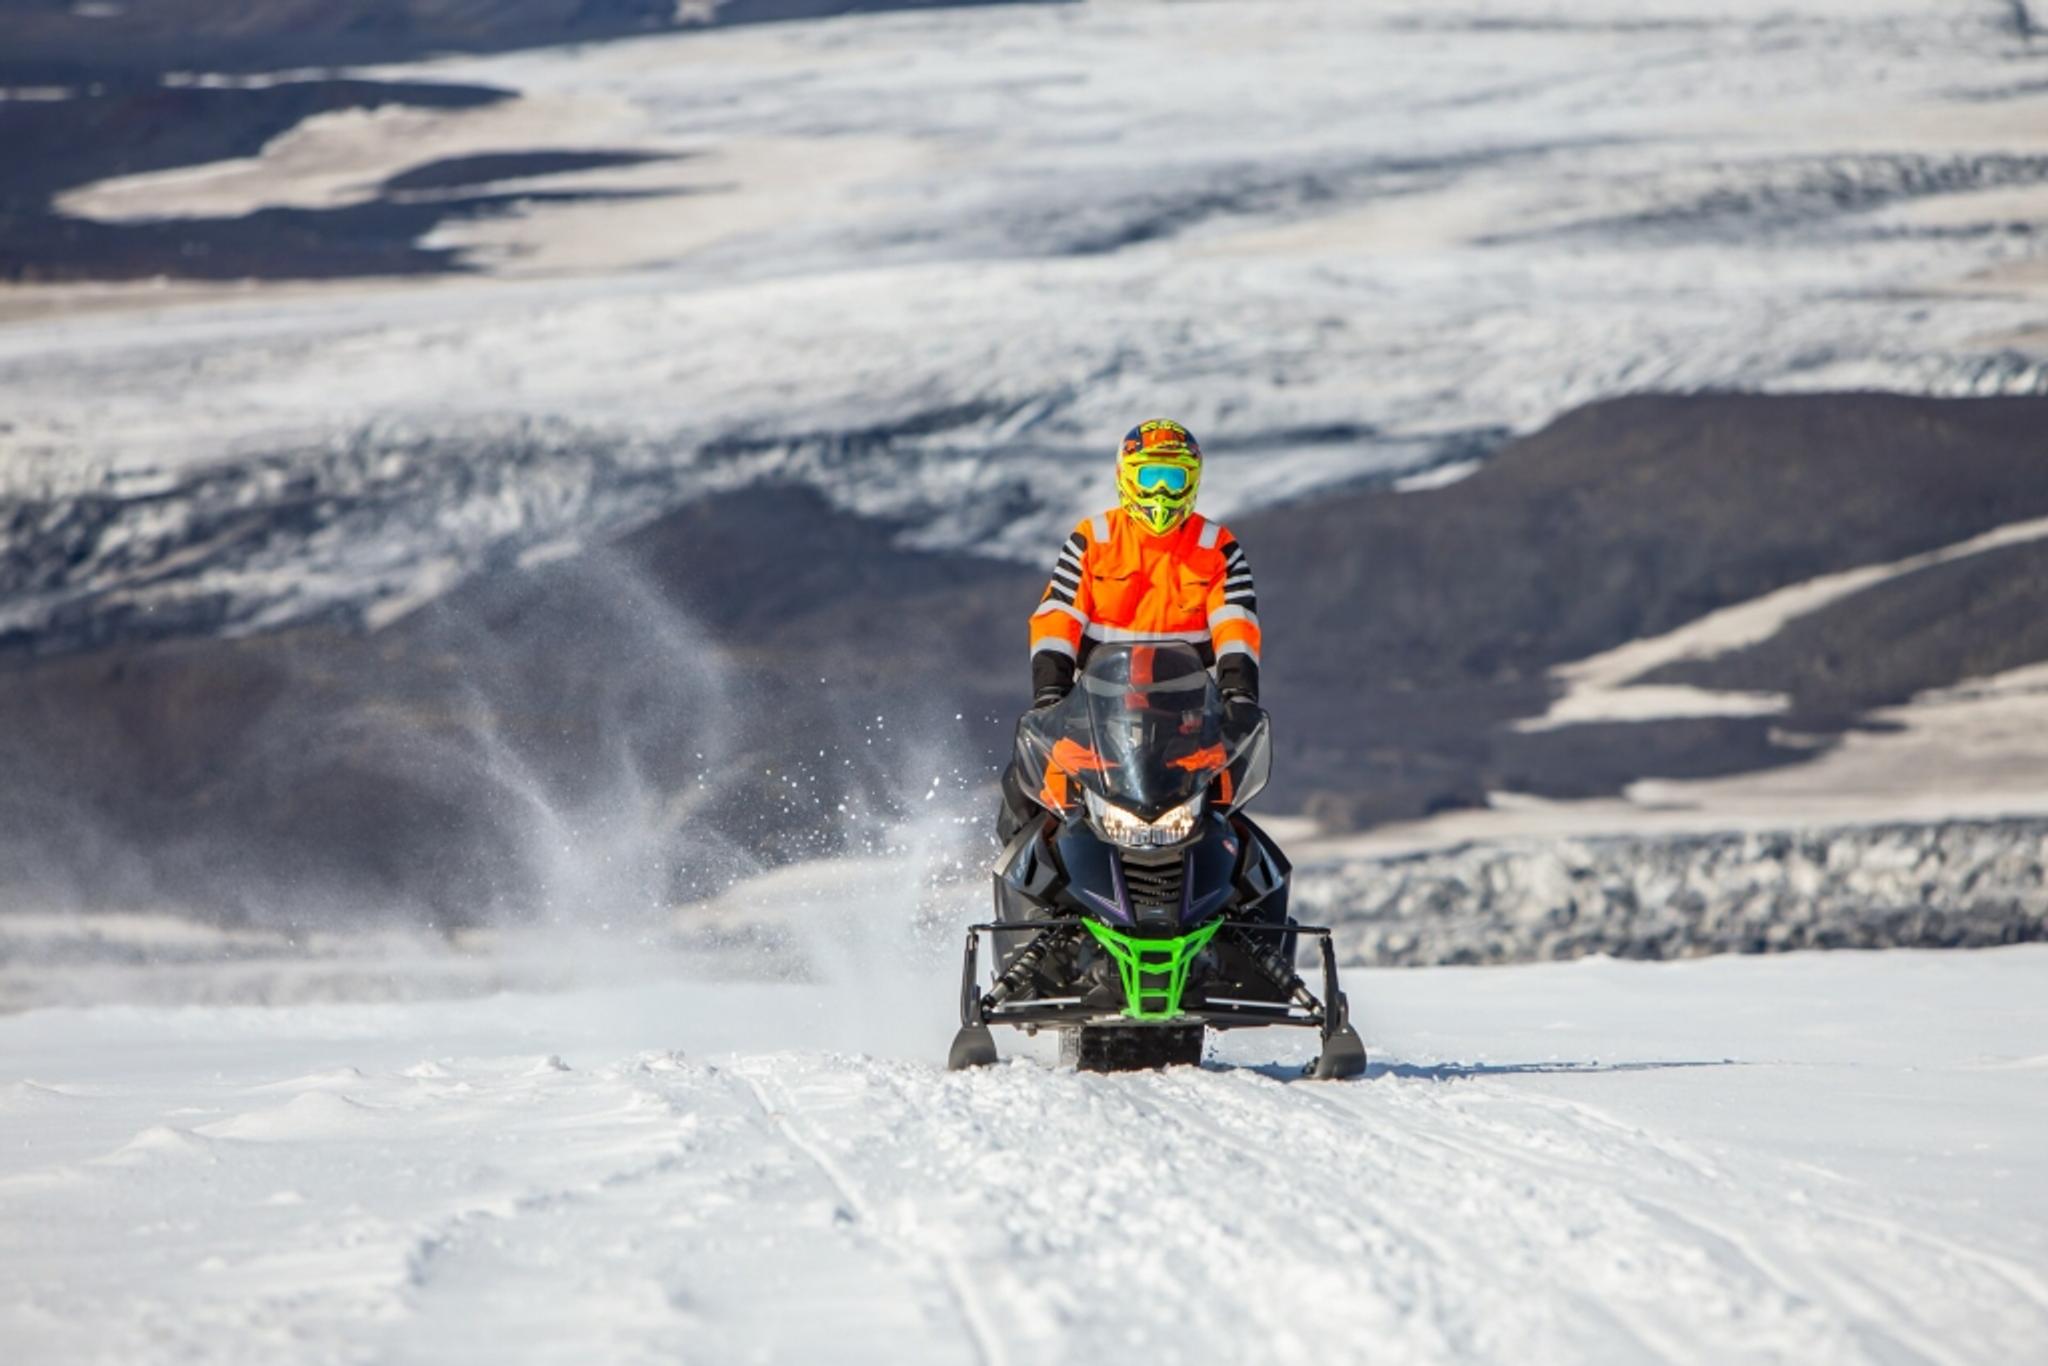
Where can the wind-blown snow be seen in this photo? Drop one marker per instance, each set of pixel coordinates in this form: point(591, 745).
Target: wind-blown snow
point(1812, 1158)
point(935, 262)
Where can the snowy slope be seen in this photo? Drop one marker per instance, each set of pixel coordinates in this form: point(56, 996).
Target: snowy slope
point(1802, 1159)
point(1342, 240)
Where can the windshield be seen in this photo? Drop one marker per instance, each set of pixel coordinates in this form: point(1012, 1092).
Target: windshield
point(1143, 729)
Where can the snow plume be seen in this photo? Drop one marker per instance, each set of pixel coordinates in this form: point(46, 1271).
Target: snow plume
point(560, 777)
point(869, 933)
point(598, 837)
point(614, 750)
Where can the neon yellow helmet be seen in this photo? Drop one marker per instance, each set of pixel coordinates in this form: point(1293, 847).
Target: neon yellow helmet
point(1158, 470)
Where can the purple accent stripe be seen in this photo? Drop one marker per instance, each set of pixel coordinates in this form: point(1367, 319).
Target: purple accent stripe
point(1123, 892)
point(1110, 909)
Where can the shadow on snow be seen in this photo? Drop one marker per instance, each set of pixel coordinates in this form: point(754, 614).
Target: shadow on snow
point(1460, 1071)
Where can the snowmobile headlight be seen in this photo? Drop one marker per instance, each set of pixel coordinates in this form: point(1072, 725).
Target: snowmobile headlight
point(1119, 826)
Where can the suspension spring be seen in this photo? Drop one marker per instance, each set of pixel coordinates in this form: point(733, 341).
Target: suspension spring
point(1017, 973)
point(1282, 974)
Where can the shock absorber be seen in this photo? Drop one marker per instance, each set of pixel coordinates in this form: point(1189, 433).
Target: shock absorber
point(1016, 974)
point(1282, 974)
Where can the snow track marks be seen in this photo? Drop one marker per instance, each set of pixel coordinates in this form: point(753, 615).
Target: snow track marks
point(295, 1184)
point(1429, 1220)
point(775, 1105)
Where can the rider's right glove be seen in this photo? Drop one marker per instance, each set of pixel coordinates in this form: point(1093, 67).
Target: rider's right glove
point(1048, 697)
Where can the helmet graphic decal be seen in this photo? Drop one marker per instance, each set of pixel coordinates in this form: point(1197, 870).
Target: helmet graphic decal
point(1158, 470)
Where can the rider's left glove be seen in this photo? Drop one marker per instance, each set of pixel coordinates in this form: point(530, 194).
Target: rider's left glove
point(1240, 714)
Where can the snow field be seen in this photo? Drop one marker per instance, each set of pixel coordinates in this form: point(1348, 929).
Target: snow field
point(1807, 1158)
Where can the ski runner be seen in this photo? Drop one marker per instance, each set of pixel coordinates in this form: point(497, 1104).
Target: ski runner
point(1150, 569)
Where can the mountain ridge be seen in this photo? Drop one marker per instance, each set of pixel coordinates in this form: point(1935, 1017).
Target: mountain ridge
point(740, 670)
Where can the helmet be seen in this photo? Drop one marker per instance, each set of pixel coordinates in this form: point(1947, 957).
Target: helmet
point(1158, 469)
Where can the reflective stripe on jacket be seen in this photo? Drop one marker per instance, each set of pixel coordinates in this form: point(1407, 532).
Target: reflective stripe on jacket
point(1117, 581)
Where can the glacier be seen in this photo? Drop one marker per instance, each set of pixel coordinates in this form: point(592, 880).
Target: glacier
point(932, 263)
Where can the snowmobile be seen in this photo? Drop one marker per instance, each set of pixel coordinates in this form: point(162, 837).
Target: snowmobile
point(1142, 908)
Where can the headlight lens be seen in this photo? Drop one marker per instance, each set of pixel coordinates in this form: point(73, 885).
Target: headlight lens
point(1119, 826)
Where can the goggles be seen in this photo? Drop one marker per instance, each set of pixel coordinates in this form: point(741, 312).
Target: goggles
point(1161, 478)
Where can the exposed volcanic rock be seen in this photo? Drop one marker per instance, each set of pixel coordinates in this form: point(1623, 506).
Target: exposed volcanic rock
point(1969, 618)
point(58, 42)
point(134, 128)
point(488, 167)
point(119, 117)
point(62, 42)
point(1405, 628)
point(378, 238)
point(1952, 885)
point(124, 129)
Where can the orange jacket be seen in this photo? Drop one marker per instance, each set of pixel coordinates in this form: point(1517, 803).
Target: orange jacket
point(1117, 581)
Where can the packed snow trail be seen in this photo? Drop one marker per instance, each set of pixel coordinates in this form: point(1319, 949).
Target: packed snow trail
point(1817, 1158)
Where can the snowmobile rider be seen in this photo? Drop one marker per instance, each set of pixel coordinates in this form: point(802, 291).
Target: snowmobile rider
point(1150, 569)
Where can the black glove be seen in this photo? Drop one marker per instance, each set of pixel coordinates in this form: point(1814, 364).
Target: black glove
point(1049, 697)
point(1240, 715)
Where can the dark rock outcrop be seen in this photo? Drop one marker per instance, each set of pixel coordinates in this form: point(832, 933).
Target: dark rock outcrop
point(1962, 884)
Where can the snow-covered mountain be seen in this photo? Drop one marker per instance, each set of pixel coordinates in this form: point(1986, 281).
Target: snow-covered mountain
point(934, 263)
